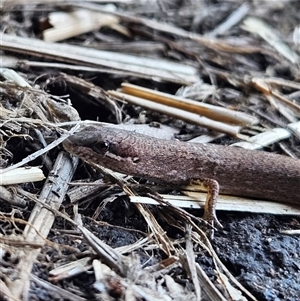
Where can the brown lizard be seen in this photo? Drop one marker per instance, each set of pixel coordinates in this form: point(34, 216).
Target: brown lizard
point(230, 170)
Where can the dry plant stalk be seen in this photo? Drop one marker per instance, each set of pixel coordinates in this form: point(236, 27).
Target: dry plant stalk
point(210, 111)
point(178, 113)
point(162, 69)
point(67, 25)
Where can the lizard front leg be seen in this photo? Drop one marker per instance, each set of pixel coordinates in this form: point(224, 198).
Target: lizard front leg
point(212, 188)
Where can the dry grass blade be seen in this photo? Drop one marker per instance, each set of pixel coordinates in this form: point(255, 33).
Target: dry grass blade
point(233, 293)
point(6, 293)
point(264, 139)
point(156, 229)
point(199, 237)
point(264, 86)
point(259, 27)
point(13, 76)
point(190, 256)
point(210, 111)
point(160, 235)
point(97, 93)
point(21, 175)
point(211, 43)
point(11, 197)
point(295, 128)
point(108, 255)
point(211, 292)
point(196, 200)
point(178, 113)
point(70, 269)
point(56, 290)
point(67, 25)
point(232, 20)
point(42, 219)
point(40, 152)
point(162, 69)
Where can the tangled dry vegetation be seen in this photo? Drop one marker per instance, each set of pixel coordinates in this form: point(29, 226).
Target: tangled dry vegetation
point(227, 71)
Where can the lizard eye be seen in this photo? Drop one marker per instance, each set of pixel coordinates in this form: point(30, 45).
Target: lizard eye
point(101, 147)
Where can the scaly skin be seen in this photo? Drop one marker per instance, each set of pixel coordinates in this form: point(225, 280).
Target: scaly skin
point(238, 171)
